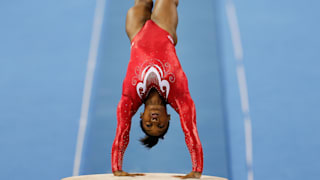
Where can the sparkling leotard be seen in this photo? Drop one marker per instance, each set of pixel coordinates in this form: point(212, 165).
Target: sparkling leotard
point(154, 64)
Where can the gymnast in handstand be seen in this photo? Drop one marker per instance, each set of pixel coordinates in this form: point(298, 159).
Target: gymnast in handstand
point(155, 78)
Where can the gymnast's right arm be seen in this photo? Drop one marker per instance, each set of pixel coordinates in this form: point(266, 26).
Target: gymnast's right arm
point(125, 110)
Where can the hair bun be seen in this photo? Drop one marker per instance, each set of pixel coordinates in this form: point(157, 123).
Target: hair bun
point(149, 141)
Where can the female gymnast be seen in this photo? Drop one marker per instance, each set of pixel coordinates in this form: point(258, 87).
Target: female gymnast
point(155, 78)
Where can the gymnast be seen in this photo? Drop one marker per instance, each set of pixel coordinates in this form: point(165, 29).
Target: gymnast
point(155, 78)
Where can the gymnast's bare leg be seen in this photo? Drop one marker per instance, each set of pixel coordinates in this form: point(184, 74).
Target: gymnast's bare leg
point(137, 16)
point(164, 14)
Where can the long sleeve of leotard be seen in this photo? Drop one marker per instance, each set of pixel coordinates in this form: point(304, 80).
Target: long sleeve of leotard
point(125, 110)
point(184, 105)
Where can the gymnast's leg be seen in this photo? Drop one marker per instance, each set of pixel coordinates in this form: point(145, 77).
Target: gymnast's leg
point(166, 16)
point(137, 16)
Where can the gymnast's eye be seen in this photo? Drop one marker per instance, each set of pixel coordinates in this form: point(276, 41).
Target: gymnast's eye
point(160, 126)
point(148, 125)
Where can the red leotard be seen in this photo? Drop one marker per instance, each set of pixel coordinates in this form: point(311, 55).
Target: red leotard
point(154, 64)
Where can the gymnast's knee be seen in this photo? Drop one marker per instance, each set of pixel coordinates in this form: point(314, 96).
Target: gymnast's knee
point(176, 2)
point(147, 3)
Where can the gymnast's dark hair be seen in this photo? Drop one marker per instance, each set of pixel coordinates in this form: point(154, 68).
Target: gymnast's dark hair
point(149, 141)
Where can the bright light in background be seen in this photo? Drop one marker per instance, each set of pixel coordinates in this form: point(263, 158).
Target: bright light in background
point(241, 75)
point(92, 59)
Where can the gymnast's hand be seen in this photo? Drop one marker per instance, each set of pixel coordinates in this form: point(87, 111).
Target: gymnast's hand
point(122, 173)
point(193, 174)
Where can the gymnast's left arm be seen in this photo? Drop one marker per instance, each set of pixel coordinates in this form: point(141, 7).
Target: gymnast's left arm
point(184, 105)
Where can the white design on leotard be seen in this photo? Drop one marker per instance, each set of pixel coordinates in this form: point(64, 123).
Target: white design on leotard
point(157, 71)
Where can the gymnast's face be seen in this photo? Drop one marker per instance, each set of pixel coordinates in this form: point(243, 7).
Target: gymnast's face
point(155, 119)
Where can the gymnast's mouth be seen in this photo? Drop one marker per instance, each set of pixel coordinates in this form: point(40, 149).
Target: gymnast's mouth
point(154, 115)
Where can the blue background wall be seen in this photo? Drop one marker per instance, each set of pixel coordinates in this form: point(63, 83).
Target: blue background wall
point(44, 49)
point(43, 54)
point(281, 57)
